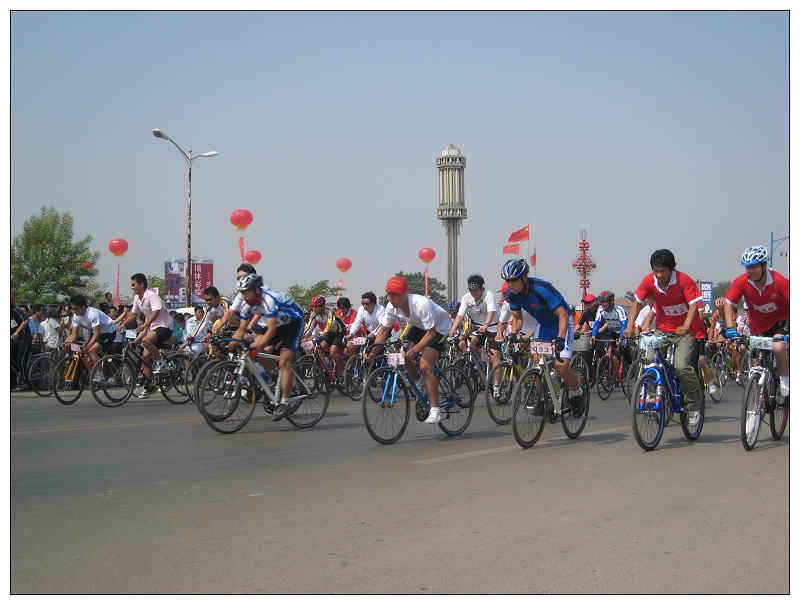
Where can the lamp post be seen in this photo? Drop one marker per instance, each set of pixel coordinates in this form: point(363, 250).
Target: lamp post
point(189, 161)
point(773, 245)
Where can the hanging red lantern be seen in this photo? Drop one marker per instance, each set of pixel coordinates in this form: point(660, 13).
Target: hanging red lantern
point(344, 264)
point(87, 266)
point(241, 218)
point(426, 255)
point(252, 256)
point(118, 247)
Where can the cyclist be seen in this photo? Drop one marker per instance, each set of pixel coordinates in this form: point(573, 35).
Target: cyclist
point(346, 313)
point(20, 344)
point(430, 325)
point(589, 313)
point(676, 296)
point(479, 303)
point(611, 322)
point(232, 314)
point(553, 319)
point(766, 297)
point(102, 329)
point(284, 325)
point(368, 316)
point(328, 328)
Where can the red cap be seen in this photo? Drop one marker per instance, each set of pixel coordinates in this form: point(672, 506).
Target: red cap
point(588, 298)
point(397, 285)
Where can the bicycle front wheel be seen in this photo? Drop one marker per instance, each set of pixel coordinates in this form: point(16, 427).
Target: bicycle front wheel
point(354, 377)
point(721, 366)
point(605, 377)
point(69, 377)
point(693, 432)
point(531, 405)
point(502, 379)
point(632, 376)
point(647, 412)
point(385, 405)
point(778, 415)
point(172, 380)
point(713, 378)
point(113, 380)
point(226, 399)
point(40, 376)
point(456, 400)
point(752, 413)
point(312, 385)
point(574, 419)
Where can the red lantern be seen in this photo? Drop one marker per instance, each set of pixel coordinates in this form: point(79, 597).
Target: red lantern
point(241, 218)
point(118, 247)
point(344, 264)
point(426, 255)
point(252, 256)
point(87, 266)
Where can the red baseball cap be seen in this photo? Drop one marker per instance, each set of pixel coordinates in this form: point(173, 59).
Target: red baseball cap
point(397, 285)
point(588, 298)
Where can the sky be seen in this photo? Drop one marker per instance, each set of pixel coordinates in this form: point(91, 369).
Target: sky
point(647, 130)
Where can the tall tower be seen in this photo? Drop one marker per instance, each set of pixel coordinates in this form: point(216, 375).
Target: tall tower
point(452, 209)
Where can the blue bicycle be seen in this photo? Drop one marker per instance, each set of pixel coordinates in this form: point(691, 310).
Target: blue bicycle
point(386, 400)
point(657, 394)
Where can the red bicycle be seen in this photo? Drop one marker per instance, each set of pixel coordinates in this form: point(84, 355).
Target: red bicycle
point(325, 362)
point(611, 371)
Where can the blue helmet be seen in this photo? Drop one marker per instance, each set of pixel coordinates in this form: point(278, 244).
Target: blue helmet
point(514, 269)
point(755, 255)
point(454, 306)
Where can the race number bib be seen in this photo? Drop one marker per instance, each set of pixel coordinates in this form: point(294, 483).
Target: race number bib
point(359, 340)
point(131, 334)
point(761, 342)
point(74, 346)
point(542, 348)
point(651, 343)
point(396, 359)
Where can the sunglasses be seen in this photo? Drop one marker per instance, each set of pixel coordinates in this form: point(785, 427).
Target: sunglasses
point(210, 299)
point(512, 280)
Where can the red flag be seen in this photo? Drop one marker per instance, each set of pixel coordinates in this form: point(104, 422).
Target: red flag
point(520, 235)
point(533, 258)
point(511, 249)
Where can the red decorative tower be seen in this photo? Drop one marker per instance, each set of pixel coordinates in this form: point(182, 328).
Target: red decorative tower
point(584, 263)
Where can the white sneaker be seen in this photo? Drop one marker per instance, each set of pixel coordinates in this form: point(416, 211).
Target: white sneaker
point(99, 379)
point(784, 386)
point(712, 388)
point(434, 417)
point(159, 365)
point(694, 418)
point(144, 393)
point(496, 392)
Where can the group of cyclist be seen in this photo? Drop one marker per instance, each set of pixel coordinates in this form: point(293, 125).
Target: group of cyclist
point(526, 307)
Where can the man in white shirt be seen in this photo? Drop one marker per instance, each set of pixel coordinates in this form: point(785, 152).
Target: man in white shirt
point(101, 327)
point(368, 316)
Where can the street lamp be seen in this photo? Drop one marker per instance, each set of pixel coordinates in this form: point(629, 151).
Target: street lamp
point(773, 245)
point(189, 160)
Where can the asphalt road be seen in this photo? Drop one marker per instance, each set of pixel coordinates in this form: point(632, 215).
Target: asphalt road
point(146, 498)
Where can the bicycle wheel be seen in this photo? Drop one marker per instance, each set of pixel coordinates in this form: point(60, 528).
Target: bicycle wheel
point(752, 413)
point(604, 377)
point(40, 375)
point(531, 405)
point(198, 379)
point(172, 380)
point(574, 419)
point(693, 432)
point(315, 392)
point(468, 366)
point(227, 399)
point(720, 365)
point(113, 380)
point(504, 377)
point(69, 377)
point(632, 376)
point(712, 378)
point(647, 409)
point(385, 405)
point(456, 400)
point(778, 413)
point(579, 361)
point(622, 369)
point(354, 377)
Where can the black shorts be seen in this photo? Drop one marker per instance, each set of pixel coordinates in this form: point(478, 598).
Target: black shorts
point(782, 327)
point(106, 339)
point(415, 334)
point(335, 339)
point(287, 336)
point(163, 335)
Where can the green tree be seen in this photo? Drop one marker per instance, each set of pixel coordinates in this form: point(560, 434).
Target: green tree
point(153, 281)
point(48, 265)
point(416, 285)
point(302, 296)
point(720, 288)
point(630, 296)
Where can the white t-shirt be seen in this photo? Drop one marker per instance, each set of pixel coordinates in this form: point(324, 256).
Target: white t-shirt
point(50, 335)
point(363, 318)
point(479, 310)
point(93, 318)
point(528, 322)
point(425, 314)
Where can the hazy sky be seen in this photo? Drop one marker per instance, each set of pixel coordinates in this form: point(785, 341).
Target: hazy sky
point(647, 129)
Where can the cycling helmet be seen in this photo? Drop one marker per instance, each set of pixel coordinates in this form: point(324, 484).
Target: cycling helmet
point(454, 306)
point(317, 301)
point(606, 296)
point(514, 269)
point(251, 281)
point(719, 303)
point(755, 255)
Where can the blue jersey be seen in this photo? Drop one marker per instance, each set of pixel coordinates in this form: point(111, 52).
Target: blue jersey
point(275, 304)
point(541, 302)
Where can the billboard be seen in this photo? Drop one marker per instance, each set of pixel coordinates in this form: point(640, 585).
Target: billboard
point(707, 290)
point(175, 281)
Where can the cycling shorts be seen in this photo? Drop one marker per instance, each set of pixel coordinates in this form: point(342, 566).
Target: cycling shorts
point(415, 334)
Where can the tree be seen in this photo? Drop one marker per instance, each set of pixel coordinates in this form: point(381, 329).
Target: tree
point(720, 288)
point(303, 296)
point(416, 285)
point(153, 281)
point(630, 296)
point(47, 265)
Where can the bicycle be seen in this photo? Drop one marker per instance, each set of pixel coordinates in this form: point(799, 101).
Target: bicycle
point(230, 388)
point(582, 353)
point(611, 371)
point(40, 373)
point(316, 354)
point(658, 392)
point(71, 375)
point(541, 395)
point(386, 399)
point(115, 376)
point(708, 378)
point(725, 364)
point(477, 363)
point(355, 370)
point(504, 376)
point(762, 398)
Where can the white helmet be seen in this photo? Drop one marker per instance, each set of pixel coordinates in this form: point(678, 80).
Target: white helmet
point(755, 255)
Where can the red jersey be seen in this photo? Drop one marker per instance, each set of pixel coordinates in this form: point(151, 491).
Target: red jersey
point(766, 307)
point(672, 305)
point(347, 319)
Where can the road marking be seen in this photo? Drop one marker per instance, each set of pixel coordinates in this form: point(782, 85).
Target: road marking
point(93, 427)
